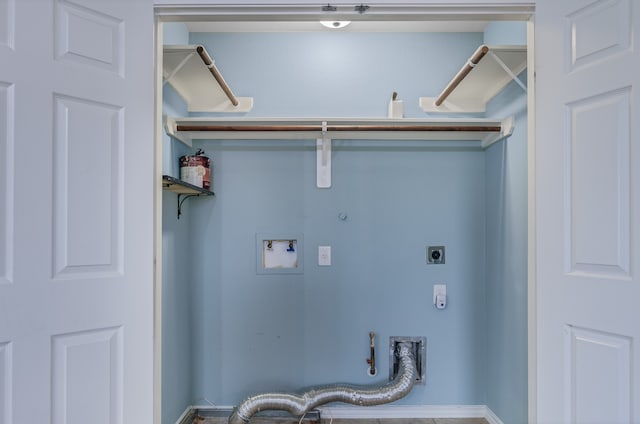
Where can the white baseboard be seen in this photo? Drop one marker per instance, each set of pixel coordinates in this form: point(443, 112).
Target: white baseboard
point(492, 418)
point(388, 411)
point(410, 411)
point(187, 416)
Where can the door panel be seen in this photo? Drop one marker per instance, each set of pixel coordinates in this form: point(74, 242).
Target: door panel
point(598, 183)
point(6, 182)
point(612, 19)
point(6, 382)
point(76, 211)
point(88, 188)
point(104, 49)
point(88, 375)
point(587, 402)
point(587, 242)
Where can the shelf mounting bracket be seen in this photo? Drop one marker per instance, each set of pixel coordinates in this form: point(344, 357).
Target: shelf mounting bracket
point(178, 68)
point(181, 198)
point(508, 71)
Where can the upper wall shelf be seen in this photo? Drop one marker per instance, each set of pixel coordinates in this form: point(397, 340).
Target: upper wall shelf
point(479, 80)
point(478, 133)
point(193, 74)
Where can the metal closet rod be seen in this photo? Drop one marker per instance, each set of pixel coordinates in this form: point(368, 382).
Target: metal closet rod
point(468, 67)
point(425, 128)
point(217, 75)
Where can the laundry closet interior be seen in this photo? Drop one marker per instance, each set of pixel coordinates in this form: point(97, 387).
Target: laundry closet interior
point(327, 200)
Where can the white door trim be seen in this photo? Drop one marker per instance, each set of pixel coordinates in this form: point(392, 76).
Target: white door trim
point(531, 230)
point(157, 225)
point(175, 12)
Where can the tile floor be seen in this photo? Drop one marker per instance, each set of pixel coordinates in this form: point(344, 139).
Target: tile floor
point(279, 420)
point(411, 421)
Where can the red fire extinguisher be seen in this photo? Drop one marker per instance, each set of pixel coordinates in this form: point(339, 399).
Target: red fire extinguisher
point(196, 169)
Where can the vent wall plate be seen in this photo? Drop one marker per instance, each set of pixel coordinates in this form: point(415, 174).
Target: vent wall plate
point(419, 352)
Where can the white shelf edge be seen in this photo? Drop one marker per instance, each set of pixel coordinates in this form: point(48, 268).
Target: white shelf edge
point(507, 131)
point(480, 140)
point(170, 128)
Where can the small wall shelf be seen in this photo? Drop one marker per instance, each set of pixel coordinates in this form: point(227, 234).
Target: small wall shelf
point(183, 189)
point(193, 74)
point(479, 80)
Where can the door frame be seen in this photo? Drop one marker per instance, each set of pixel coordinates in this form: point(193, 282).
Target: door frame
point(532, 316)
point(514, 11)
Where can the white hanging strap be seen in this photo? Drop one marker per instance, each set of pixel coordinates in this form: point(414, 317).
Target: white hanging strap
point(326, 147)
point(211, 65)
point(325, 143)
point(323, 162)
point(470, 64)
point(508, 71)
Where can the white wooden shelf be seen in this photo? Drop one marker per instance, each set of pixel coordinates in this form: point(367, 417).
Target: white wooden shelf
point(479, 133)
point(193, 74)
point(483, 76)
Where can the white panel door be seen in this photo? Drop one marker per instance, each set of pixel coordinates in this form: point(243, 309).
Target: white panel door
point(76, 211)
point(587, 211)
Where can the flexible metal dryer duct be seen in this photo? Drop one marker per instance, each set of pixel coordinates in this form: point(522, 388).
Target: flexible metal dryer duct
point(396, 389)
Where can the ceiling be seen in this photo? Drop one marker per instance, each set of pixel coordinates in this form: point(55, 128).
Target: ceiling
point(356, 26)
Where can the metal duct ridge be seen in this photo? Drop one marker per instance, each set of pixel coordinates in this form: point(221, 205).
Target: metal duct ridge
point(299, 405)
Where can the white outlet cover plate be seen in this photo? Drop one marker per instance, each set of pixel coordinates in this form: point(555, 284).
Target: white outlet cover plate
point(324, 255)
point(439, 289)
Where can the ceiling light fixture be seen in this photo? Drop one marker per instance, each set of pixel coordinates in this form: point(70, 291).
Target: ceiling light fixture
point(335, 24)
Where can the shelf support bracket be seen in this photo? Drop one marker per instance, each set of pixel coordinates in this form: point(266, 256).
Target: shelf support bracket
point(508, 71)
point(181, 198)
point(177, 69)
point(323, 159)
point(170, 127)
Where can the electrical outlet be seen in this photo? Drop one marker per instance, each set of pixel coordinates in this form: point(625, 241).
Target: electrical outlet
point(324, 255)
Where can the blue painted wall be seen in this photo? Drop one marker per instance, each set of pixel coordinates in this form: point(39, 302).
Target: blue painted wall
point(506, 251)
point(284, 332)
point(251, 333)
point(501, 33)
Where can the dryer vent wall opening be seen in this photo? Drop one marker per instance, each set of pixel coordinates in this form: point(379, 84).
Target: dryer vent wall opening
point(419, 349)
